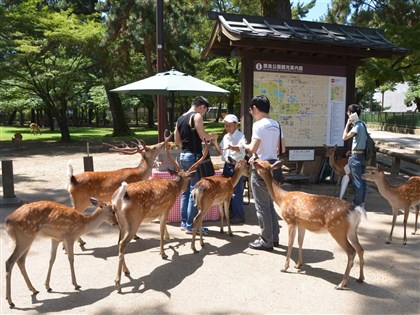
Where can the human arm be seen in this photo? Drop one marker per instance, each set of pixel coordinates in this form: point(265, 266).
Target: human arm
point(178, 140)
point(348, 134)
point(253, 146)
point(199, 128)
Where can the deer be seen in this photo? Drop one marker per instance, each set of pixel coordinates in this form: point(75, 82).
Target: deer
point(103, 184)
point(402, 197)
point(150, 199)
point(17, 139)
point(56, 221)
point(340, 167)
point(35, 128)
point(215, 190)
point(315, 213)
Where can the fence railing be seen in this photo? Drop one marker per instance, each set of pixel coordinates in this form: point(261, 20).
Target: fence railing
point(403, 119)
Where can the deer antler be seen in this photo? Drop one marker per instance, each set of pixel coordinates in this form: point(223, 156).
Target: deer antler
point(123, 150)
point(168, 150)
point(196, 164)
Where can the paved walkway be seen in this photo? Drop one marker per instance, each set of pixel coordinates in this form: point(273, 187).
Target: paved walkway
point(225, 277)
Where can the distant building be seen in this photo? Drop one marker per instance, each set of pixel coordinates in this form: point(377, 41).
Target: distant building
point(395, 99)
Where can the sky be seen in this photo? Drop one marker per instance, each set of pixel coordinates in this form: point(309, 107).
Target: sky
point(317, 11)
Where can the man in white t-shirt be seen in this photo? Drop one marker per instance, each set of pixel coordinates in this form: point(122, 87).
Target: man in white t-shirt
point(265, 143)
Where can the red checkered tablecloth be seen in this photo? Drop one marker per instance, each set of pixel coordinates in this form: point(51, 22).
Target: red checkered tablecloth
point(174, 213)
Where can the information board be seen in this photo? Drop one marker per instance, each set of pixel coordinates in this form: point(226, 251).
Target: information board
point(308, 100)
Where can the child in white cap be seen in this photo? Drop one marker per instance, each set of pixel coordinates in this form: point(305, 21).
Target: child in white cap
point(231, 146)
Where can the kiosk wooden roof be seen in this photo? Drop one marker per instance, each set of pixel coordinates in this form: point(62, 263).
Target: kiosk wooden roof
point(234, 35)
point(320, 45)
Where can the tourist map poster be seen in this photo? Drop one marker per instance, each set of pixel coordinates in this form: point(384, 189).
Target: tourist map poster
point(308, 101)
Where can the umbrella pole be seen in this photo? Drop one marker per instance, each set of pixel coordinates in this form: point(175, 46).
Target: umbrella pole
point(171, 112)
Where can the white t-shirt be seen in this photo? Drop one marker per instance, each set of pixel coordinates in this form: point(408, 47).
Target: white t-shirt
point(236, 140)
point(267, 131)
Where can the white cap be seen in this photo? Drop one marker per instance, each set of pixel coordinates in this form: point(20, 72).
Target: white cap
point(230, 118)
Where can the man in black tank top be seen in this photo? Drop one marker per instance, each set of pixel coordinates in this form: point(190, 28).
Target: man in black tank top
point(190, 142)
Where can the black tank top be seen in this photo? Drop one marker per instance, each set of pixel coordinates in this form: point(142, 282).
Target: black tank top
point(190, 138)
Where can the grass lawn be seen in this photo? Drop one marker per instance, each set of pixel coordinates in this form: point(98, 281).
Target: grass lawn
point(93, 134)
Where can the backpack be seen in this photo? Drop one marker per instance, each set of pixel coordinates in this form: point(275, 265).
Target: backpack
point(370, 151)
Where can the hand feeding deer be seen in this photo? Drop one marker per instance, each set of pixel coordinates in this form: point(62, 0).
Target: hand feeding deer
point(215, 190)
point(102, 185)
point(316, 212)
point(150, 199)
point(54, 220)
point(402, 197)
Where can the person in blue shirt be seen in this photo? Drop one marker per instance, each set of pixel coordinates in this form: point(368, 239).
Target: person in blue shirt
point(357, 160)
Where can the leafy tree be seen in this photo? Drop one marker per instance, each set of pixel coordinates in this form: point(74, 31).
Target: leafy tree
point(45, 53)
point(413, 94)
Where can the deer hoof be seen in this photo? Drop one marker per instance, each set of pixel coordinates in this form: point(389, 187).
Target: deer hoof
point(48, 290)
point(12, 305)
point(230, 234)
point(387, 242)
point(77, 287)
point(164, 256)
point(359, 280)
point(136, 237)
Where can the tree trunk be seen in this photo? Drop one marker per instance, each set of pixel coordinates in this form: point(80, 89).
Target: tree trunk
point(280, 9)
point(119, 123)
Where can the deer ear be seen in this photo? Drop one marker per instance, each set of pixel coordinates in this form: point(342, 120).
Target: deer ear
point(96, 202)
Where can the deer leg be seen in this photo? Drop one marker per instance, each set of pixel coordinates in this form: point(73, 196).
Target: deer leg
point(394, 218)
point(301, 236)
point(417, 208)
point(121, 261)
point(406, 213)
point(70, 255)
point(226, 206)
point(54, 245)
point(197, 226)
point(292, 233)
point(163, 230)
point(222, 211)
point(18, 255)
point(354, 240)
point(341, 238)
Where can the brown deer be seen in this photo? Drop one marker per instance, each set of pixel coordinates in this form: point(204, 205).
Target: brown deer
point(56, 221)
point(17, 139)
point(316, 212)
point(340, 167)
point(336, 165)
point(150, 199)
point(35, 129)
point(402, 197)
point(102, 185)
point(215, 190)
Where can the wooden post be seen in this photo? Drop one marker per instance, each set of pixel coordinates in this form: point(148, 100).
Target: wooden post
point(7, 179)
point(9, 198)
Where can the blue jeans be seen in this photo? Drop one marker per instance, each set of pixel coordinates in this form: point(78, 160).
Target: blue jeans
point(237, 201)
point(266, 214)
point(357, 168)
point(187, 208)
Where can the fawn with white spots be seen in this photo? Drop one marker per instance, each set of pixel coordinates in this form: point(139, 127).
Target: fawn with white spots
point(151, 199)
point(215, 190)
point(53, 220)
point(316, 212)
point(402, 197)
point(102, 185)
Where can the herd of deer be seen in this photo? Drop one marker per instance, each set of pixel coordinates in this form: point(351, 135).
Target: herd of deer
point(127, 197)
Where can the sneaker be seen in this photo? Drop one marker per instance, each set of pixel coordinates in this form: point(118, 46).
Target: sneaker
point(203, 230)
point(183, 226)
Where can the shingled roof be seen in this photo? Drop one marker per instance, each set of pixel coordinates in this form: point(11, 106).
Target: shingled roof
point(233, 34)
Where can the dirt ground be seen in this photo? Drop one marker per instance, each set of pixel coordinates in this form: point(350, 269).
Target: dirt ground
point(225, 277)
